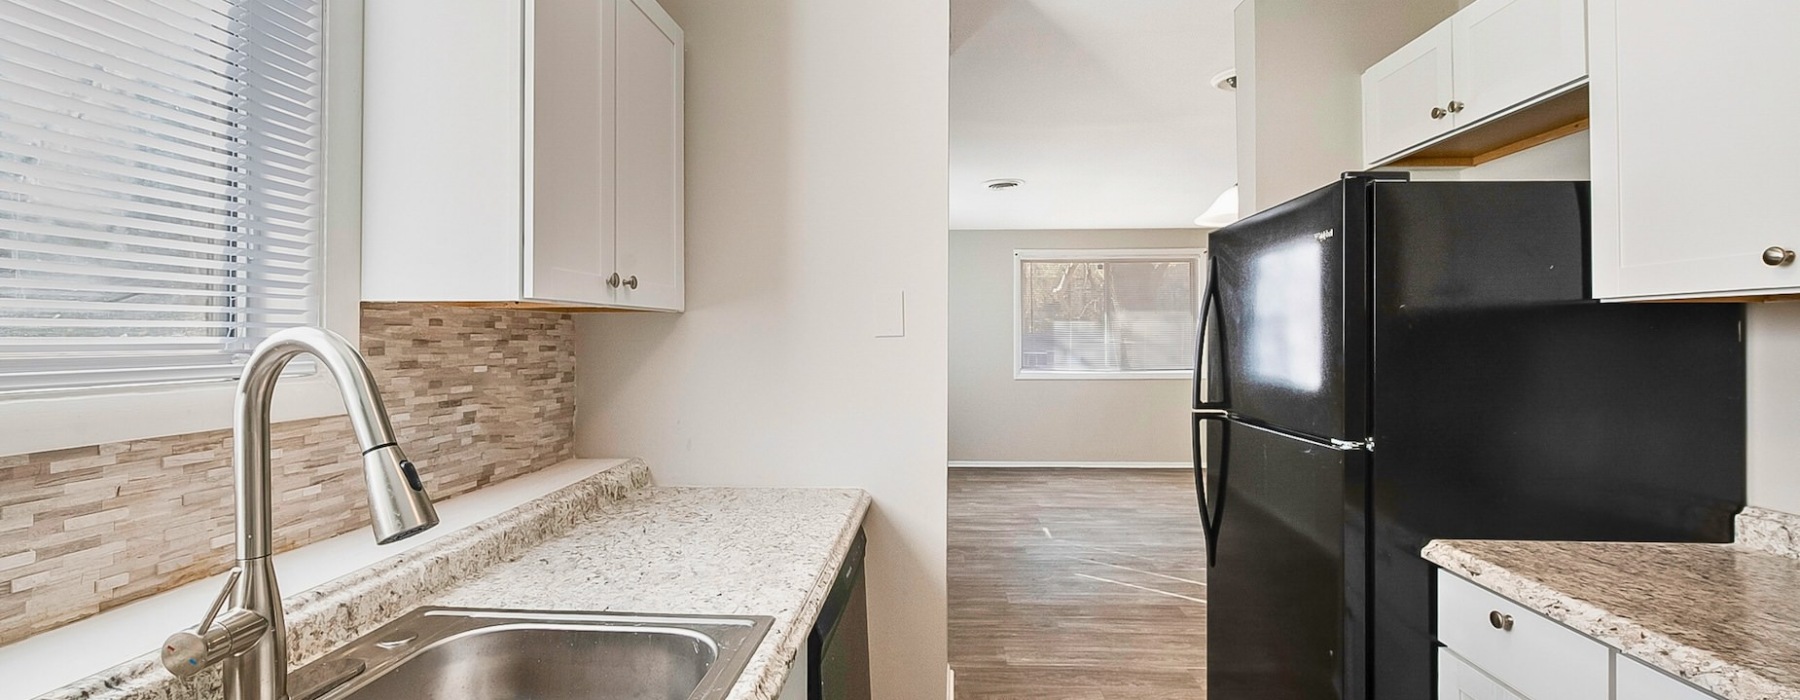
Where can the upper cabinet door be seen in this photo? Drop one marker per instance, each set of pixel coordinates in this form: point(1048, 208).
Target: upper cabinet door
point(1693, 147)
point(1406, 96)
point(1510, 51)
point(569, 237)
point(649, 211)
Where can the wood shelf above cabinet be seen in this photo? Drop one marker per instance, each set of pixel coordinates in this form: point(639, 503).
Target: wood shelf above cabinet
point(1537, 123)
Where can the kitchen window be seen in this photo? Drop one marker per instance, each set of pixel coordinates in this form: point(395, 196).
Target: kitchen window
point(1106, 314)
point(162, 199)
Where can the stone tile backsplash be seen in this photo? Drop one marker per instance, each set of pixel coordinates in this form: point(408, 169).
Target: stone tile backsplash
point(476, 395)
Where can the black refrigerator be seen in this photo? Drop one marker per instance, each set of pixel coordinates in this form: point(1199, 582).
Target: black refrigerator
point(1385, 362)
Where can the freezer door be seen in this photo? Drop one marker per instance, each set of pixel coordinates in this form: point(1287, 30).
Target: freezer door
point(1291, 325)
point(1281, 602)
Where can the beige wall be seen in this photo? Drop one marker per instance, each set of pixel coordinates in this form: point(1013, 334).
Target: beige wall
point(817, 137)
point(1772, 342)
point(994, 417)
point(1300, 65)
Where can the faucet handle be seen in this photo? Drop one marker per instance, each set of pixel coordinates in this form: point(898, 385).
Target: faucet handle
point(219, 602)
point(220, 634)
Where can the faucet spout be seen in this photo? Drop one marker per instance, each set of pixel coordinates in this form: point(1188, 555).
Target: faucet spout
point(250, 639)
point(398, 505)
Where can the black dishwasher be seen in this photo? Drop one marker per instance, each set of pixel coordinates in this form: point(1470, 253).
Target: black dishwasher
point(838, 649)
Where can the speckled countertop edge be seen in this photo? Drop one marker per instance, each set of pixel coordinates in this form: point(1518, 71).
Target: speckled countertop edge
point(329, 615)
point(778, 659)
point(1761, 532)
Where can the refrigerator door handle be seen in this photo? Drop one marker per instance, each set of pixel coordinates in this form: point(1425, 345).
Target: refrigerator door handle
point(1203, 365)
point(1212, 506)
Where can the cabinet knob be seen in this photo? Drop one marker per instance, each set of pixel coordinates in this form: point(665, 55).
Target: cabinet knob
point(1455, 106)
point(613, 281)
point(631, 282)
point(1501, 621)
point(1438, 112)
point(1776, 256)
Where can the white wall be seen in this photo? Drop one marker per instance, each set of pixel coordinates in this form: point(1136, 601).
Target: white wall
point(1772, 342)
point(1299, 66)
point(817, 142)
point(994, 417)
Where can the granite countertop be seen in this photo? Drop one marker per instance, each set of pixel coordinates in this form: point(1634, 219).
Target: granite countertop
point(1725, 617)
point(610, 542)
point(710, 551)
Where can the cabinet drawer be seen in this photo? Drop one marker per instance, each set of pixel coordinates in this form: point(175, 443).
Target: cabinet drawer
point(1637, 681)
point(1460, 680)
point(1535, 656)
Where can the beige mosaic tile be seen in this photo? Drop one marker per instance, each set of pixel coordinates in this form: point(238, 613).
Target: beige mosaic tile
point(476, 395)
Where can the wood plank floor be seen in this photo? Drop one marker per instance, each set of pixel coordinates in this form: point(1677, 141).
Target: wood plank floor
point(1084, 584)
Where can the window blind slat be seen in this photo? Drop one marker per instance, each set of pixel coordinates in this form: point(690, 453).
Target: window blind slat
point(222, 259)
point(83, 63)
point(40, 15)
point(159, 186)
point(137, 249)
point(24, 66)
point(120, 181)
point(151, 278)
point(39, 288)
point(123, 235)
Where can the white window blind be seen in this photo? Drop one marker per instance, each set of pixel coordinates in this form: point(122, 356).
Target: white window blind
point(159, 186)
point(1123, 313)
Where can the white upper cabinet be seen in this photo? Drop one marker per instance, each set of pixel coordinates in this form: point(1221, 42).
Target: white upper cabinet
point(537, 162)
point(649, 56)
point(1693, 148)
point(1490, 59)
point(1510, 51)
point(1406, 95)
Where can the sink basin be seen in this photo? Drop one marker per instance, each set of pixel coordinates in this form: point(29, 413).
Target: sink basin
point(474, 654)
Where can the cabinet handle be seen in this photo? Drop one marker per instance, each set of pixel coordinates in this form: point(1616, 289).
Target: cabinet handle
point(631, 282)
point(1501, 621)
point(1438, 112)
point(1455, 106)
point(613, 281)
point(1776, 256)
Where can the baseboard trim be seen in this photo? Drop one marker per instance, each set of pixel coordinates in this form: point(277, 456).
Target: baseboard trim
point(988, 464)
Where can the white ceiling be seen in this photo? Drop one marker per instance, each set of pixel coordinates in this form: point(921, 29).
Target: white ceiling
point(1102, 107)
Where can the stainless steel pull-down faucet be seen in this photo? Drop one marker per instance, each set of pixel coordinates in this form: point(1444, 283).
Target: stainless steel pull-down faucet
point(250, 638)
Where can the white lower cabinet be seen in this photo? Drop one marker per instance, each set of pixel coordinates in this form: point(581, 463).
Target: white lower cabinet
point(1460, 680)
point(1528, 652)
point(1636, 681)
point(1495, 649)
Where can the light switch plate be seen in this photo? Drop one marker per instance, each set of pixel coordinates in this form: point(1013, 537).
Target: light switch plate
point(888, 313)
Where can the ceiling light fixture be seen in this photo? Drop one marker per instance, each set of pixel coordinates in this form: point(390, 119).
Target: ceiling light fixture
point(1225, 80)
point(1005, 183)
point(1222, 213)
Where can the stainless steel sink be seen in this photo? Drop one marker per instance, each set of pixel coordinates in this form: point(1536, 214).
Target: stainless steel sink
point(469, 654)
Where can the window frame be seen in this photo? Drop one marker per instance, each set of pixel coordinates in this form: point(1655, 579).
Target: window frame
point(82, 417)
point(1022, 256)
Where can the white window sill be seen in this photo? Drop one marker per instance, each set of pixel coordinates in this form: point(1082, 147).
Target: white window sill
point(38, 424)
point(1042, 374)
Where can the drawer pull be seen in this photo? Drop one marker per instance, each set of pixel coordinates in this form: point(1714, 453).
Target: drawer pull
point(1501, 621)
